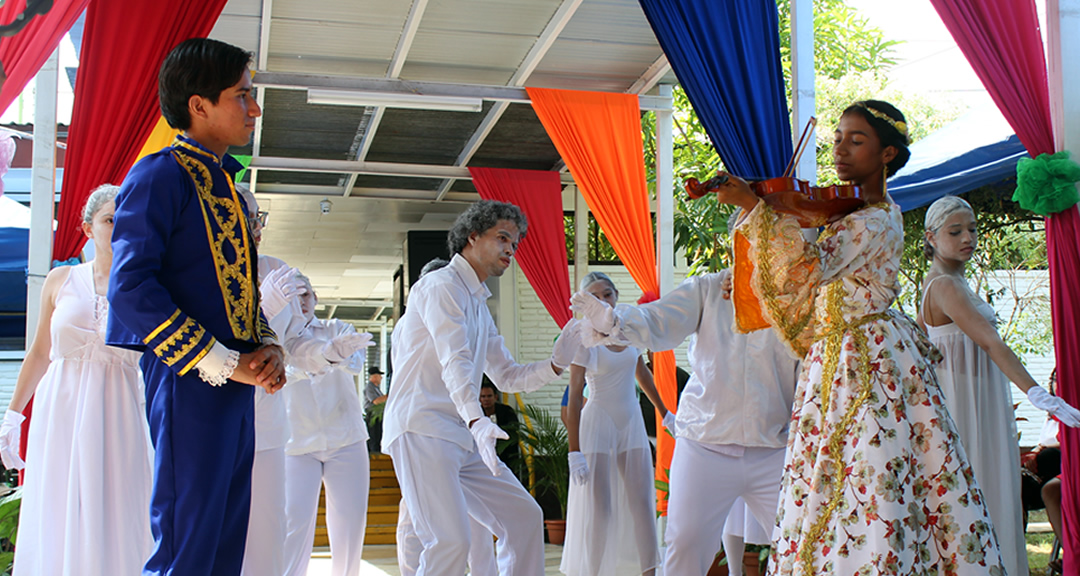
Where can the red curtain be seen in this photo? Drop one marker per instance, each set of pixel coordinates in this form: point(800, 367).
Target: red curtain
point(23, 54)
point(542, 254)
point(598, 135)
point(1002, 41)
point(116, 103)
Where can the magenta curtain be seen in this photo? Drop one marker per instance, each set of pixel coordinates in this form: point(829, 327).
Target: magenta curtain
point(23, 54)
point(116, 104)
point(1001, 40)
point(542, 254)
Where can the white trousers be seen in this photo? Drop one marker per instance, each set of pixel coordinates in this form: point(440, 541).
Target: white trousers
point(409, 547)
point(263, 554)
point(346, 473)
point(443, 485)
point(704, 484)
point(740, 528)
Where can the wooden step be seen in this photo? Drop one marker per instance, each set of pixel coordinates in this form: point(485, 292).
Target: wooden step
point(384, 497)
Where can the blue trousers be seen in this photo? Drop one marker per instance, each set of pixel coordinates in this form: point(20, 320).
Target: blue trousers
point(204, 442)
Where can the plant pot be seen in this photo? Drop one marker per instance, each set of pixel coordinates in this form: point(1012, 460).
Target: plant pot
point(556, 531)
point(716, 569)
point(751, 563)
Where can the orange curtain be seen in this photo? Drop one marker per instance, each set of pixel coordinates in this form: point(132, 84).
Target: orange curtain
point(598, 135)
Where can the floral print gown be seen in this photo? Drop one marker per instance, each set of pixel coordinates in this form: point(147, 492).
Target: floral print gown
point(875, 478)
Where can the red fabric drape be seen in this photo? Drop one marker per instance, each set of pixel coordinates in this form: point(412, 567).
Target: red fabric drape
point(23, 54)
point(598, 135)
point(542, 254)
point(116, 103)
point(1001, 40)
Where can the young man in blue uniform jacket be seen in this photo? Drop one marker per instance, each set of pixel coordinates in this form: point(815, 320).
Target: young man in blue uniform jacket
point(184, 291)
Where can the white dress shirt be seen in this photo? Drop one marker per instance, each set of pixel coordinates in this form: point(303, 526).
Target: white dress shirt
point(323, 403)
point(441, 348)
point(741, 385)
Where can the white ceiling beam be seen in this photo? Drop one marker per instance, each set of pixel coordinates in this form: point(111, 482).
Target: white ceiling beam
point(401, 54)
point(653, 74)
point(539, 49)
point(260, 95)
point(511, 94)
point(367, 168)
point(354, 303)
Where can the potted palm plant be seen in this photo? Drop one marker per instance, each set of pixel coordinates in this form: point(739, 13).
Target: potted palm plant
point(544, 436)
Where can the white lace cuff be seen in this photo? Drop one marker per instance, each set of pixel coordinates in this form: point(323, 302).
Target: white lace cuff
point(218, 365)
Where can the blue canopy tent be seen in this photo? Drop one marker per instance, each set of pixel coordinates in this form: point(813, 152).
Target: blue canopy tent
point(976, 150)
point(14, 243)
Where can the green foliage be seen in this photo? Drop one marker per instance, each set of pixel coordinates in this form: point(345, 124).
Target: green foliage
point(9, 525)
point(546, 436)
point(844, 41)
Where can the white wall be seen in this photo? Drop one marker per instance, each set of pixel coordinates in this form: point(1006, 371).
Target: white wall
point(10, 362)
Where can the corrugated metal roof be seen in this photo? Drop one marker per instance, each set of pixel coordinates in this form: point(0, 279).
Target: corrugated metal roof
point(603, 45)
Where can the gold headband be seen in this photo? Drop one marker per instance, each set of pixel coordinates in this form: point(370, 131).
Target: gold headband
point(897, 125)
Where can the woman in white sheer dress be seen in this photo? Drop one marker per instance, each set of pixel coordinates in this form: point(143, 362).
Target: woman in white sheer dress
point(611, 515)
point(86, 495)
point(975, 373)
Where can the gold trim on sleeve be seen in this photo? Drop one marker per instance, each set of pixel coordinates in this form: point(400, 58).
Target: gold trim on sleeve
point(163, 326)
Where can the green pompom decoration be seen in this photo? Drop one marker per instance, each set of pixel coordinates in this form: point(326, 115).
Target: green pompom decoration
point(1047, 184)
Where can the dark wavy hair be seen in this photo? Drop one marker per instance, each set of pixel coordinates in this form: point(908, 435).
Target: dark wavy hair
point(197, 66)
point(886, 132)
point(481, 217)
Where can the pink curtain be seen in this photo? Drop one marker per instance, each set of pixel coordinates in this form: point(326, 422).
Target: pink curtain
point(542, 254)
point(116, 104)
point(1001, 40)
point(23, 54)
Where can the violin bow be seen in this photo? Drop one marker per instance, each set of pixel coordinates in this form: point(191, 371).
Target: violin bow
point(803, 141)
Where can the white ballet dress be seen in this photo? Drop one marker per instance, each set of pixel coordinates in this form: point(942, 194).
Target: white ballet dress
point(979, 398)
point(611, 519)
point(86, 496)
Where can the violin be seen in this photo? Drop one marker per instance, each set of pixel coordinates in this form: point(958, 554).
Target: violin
point(813, 205)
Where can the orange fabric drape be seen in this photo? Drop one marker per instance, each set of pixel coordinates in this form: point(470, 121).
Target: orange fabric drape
point(598, 135)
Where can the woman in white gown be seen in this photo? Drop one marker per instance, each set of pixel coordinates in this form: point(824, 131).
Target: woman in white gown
point(975, 374)
point(86, 496)
point(611, 514)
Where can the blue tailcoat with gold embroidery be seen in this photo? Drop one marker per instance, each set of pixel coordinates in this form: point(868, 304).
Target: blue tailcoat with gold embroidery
point(183, 276)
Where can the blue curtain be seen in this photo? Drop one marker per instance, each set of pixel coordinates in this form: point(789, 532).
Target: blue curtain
point(726, 54)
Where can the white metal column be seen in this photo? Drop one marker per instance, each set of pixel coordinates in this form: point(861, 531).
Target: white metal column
point(581, 238)
point(802, 82)
point(42, 190)
point(1063, 39)
point(665, 196)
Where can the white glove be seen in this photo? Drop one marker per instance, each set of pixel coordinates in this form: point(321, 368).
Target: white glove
point(339, 348)
point(566, 345)
point(594, 310)
point(10, 434)
point(1058, 408)
point(579, 468)
point(669, 422)
point(278, 289)
point(486, 433)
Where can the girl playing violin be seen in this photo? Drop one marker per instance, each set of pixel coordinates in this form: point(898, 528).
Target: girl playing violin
point(875, 480)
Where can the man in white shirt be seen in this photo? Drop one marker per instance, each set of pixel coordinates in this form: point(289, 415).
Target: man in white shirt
point(732, 423)
point(434, 428)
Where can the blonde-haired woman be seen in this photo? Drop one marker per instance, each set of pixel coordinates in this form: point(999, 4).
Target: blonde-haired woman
point(86, 496)
point(611, 513)
point(975, 373)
